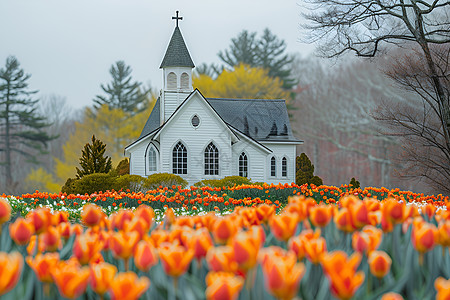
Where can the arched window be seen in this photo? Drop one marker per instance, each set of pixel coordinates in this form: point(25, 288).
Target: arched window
point(211, 160)
point(284, 167)
point(243, 165)
point(184, 81)
point(152, 163)
point(273, 166)
point(172, 81)
point(179, 159)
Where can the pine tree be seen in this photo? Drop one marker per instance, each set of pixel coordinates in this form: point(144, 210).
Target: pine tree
point(21, 127)
point(243, 50)
point(122, 92)
point(305, 171)
point(93, 159)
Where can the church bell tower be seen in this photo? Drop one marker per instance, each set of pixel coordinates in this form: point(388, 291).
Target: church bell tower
point(177, 68)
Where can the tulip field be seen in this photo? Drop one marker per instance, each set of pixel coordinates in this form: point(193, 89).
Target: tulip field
point(243, 242)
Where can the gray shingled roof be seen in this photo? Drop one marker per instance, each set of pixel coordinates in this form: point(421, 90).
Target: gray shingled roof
point(177, 54)
point(153, 122)
point(256, 117)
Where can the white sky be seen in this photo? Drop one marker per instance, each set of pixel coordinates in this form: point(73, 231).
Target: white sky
point(68, 46)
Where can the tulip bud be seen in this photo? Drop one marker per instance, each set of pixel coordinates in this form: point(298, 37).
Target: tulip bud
point(222, 285)
point(392, 296)
point(91, 215)
point(102, 276)
point(442, 287)
point(21, 231)
point(175, 259)
point(223, 229)
point(70, 278)
point(321, 215)
point(86, 248)
point(11, 265)
point(145, 256)
point(5, 211)
point(283, 226)
point(128, 286)
point(122, 244)
point(43, 264)
point(379, 263)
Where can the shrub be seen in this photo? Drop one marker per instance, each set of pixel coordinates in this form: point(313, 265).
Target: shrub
point(93, 183)
point(164, 179)
point(305, 171)
point(134, 183)
point(69, 186)
point(354, 183)
point(226, 181)
point(93, 159)
point(123, 168)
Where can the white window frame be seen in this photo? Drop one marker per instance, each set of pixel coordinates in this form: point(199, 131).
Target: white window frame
point(211, 168)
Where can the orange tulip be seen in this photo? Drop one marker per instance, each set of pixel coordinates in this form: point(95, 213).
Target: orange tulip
point(282, 273)
point(264, 212)
point(444, 233)
point(175, 259)
point(200, 242)
point(146, 213)
point(41, 219)
point(86, 248)
point(43, 265)
point(122, 244)
point(119, 218)
point(359, 214)
point(169, 217)
point(51, 239)
point(245, 246)
point(221, 259)
point(145, 256)
point(423, 235)
point(102, 276)
point(76, 229)
point(59, 217)
point(138, 225)
point(249, 216)
point(321, 215)
point(31, 248)
point(21, 231)
point(223, 229)
point(367, 240)
point(341, 272)
point(379, 263)
point(223, 285)
point(11, 265)
point(283, 226)
point(297, 243)
point(343, 221)
point(70, 278)
point(159, 236)
point(392, 296)
point(315, 249)
point(128, 286)
point(91, 215)
point(5, 210)
point(429, 210)
point(393, 210)
point(64, 230)
point(442, 287)
point(206, 221)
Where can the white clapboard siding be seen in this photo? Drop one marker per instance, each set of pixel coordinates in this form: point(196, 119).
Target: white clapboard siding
point(256, 160)
point(137, 158)
point(172, 100)
point(280, 151)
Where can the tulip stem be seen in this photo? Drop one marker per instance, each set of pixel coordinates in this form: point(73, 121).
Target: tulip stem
point(46, 288)
point(126, 262)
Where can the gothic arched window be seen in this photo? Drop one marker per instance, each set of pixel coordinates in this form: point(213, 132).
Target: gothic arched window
point(273, 166)
point(179, 159)
point(211, 160)
point(243, 165)
point(184, 81)
point(152, 163)
point(172, 81)
point(284, 167)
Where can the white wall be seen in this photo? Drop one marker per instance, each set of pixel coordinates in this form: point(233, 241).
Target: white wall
point(280, 151)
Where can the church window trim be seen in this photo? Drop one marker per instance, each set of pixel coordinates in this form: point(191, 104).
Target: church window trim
point(273, 167)
point(179, 159)
point(151, 160)
point(195, 121)
point(284, 167)
point(184, 81)
point(211, 159)
point(243, 165)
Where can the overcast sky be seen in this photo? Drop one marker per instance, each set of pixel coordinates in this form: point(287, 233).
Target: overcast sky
point(68, 46)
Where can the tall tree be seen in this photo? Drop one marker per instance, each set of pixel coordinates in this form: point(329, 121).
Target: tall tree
point(123, 93)
point(21, 127)
point(93, 159)
point(370, 27)
point(268, 52)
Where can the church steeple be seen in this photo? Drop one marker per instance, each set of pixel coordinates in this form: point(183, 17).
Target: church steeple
point(177, 68)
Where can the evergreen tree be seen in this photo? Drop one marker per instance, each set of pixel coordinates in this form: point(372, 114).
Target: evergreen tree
point(305, 171)
point(21, 127)
point(122, 92)
point(355, 183)
point(268, 52)
point(93, 159)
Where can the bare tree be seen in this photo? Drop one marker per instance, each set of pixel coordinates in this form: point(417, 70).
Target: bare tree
point(370, 27)
point(418, 123)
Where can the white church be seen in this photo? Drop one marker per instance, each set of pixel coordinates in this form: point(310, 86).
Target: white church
point(210, 138)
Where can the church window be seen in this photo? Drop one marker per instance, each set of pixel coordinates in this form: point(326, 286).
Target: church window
point(179, 159)
point(284, 167)
point(243, 165)
point(152, 164)
point(195, 121)
point(184, 80)
point(273, 166)
point(211, 160)
point(172, 81)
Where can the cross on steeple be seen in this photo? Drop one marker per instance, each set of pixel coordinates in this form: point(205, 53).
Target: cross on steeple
point(177, 18)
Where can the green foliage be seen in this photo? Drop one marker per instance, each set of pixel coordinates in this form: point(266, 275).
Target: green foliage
point(69, 186)
point(92, 183)
point(122, 93)
point(123, 168)
point(268, 53)
point(93, 159)
point(164, 180)
point(226, 181)
point(21, 127)
point(305, 171)
point(134, 183)
point(354, 183)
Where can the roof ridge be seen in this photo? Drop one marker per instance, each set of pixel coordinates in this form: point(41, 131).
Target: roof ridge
point(241, 99)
